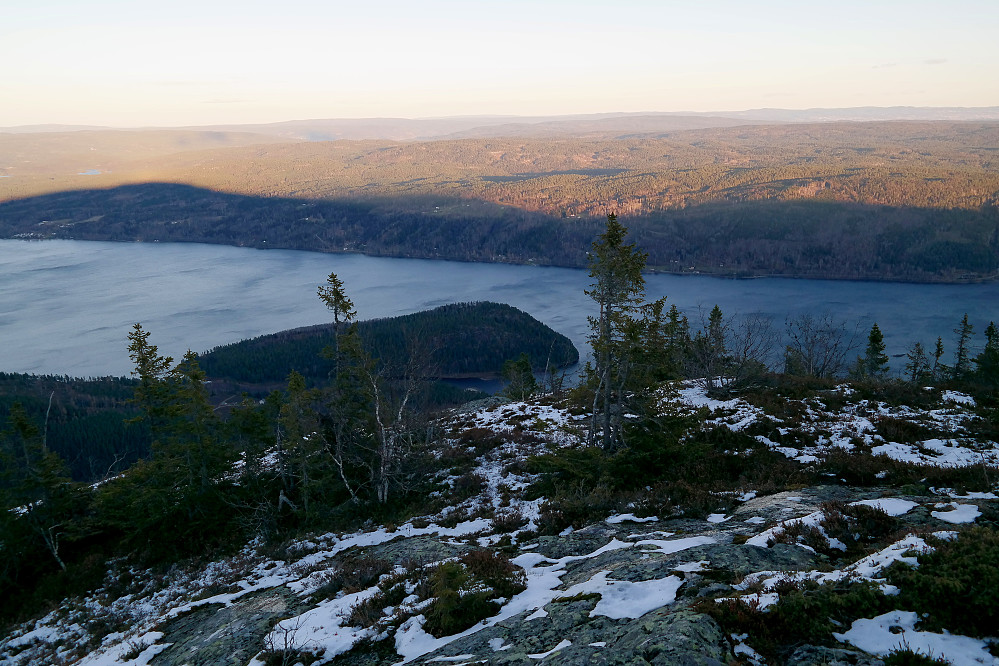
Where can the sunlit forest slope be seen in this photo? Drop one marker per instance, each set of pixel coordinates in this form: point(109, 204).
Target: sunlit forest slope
point(874, 200)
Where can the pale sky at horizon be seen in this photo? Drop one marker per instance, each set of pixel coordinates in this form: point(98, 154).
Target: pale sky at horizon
point(130, 63)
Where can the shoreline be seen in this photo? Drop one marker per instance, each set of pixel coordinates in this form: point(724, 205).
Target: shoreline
point(967, 279)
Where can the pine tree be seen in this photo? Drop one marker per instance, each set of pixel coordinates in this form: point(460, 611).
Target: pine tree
point(151, 395)
point(962, 354)
point(520, 377)
point(987, 362)
point(618, 288)
point(918, 367)
point(938, 370)
point(874, 362)
point(708, 351)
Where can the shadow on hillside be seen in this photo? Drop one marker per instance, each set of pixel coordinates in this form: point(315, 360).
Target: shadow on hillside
point(801, 238)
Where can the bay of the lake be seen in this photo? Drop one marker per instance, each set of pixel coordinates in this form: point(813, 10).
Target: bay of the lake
point(66, 307)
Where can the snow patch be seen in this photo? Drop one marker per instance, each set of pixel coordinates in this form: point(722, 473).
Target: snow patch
point(624, 599)
point(561, 646)
point(631, 518)
point(959, 513)
point(891, 505)
point(895, 630)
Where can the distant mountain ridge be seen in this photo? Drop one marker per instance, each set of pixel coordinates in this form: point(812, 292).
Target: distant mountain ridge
point(417, 129)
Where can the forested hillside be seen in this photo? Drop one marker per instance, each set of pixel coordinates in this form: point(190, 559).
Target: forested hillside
point(85, 420)
point(877, 200)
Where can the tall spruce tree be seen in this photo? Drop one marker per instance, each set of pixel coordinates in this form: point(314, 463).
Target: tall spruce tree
point(938, 370)
point(370, 420)
point(618, 288)
point(334, 296)
point(962, 354)
point(987, 362)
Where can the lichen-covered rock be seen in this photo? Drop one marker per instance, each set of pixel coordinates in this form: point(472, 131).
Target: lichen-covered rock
point(417, 549)
point(667, 636)
point(215, 635)
point(809, 655)
point(702, 559)
point(743, 559)
point(579, 542)
point(675, 637)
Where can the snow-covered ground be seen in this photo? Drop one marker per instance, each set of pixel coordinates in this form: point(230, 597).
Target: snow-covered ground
point(856, 421)
point(897, 629)
point(324, 627)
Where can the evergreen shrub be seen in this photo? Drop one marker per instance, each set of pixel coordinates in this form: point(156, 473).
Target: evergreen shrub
point(906, 657)
point(806, 613)
point(956, 586)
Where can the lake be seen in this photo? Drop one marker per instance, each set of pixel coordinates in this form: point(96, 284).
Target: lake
point(66, 307)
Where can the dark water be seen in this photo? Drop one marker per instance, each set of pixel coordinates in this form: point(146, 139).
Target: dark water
point(66, 307)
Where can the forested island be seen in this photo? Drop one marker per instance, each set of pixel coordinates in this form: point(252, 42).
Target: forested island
point(911, 201)
point(456, 341)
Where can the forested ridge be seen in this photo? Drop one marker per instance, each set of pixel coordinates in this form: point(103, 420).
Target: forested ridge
point(879, 200)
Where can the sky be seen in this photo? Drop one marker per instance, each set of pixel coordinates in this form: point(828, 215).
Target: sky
point(130, 63)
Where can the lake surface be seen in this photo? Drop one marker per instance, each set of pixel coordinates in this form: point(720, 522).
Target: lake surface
point(66, 307)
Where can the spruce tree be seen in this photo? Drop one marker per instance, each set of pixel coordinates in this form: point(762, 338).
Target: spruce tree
point(874, 363)
point(664, 344)
point(708, 352)
point(918, 367)
point(962, 355)
point(520, 377)
point(677, 339)
point(334, 296)
point(987, 363)
point(171, 502)
point(618, 288)
point(938, 370)
point(152, 370)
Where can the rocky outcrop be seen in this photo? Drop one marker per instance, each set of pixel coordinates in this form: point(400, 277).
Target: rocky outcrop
point(565, 630)
point(624, 591)
point(218, 635)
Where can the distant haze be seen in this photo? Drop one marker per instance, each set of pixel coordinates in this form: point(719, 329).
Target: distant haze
point(469, 127)
point(113, 63)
